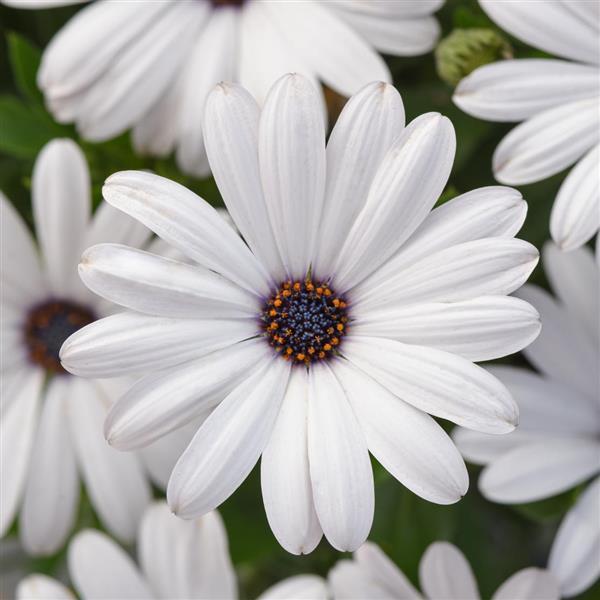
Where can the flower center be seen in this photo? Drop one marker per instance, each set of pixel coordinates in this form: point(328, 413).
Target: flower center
point(48, 325)
point(217, 3)
point(305, 321)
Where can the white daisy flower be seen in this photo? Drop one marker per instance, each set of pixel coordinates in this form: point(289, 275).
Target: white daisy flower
point(342, 316)
point(51, 423)
point(149, 65)
point(444, 572)
point(557, 445)
point(558, 100)
point(177, 559)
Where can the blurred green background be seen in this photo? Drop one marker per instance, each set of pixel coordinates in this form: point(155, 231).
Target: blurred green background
point(497, 540)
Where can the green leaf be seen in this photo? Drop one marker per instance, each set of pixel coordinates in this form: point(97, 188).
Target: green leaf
point(23, 129)
point(25, 61)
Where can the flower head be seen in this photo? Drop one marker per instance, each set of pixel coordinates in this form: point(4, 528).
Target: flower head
point(345, 312)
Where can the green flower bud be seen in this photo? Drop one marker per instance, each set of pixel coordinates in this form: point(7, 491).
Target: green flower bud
point(461, 52)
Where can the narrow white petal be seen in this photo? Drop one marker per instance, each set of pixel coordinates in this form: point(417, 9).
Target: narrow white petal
point(231, 136)
point(486, 267)
point(17, 433)
point(285, 477)
point(160, 286)
point(61, 196)
point(130, 342)
point(20, 274)
point(529, 584)
point(405, 187)
point(340, 468)
point(406, 441)
point(485, 328)
point(114, 481)
point(445, 573)
point(406, 8)
point(575, 216)
point(574, 554)
point(364, 132)
point(541, 469)
point(99, 568)
point(110, 225)
point(329, 47)
point(547, 143)
point(52, 489)
point(41, 587)
point(348, 581)
point(554, 29)
point(575, 279)
point(185, 559)
point(291, 154)
point(436, 382)
point(562, 350)
point(217, 40)
point(188, 223)
point(163, 401)
point(229, 443)
point(298, 587)
point(515, 90)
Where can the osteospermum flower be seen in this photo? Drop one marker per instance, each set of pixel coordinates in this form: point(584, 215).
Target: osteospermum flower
point(559, 102)
point(345, 314)
point(177, 559)
point(150, 64)
point(444, 572)
point(51, 422)
point(557, 445)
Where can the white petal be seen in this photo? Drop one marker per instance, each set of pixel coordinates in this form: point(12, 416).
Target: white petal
point(329, 47)
point(369, 123)
point(17, 433)
point(562, 350)
point(547, 143)
point(61, 196)
point(486, 267)
point(285, 477)
point(348, 581)
point(406, 8)
point(231, 137)
point(541, 469)
point(186, 559)
point(134, 343)
point(111, 225)
point(529, 584)
point(217, 40)
point(406, 441)
point(485, 328)
point(20, 274)
point(405, 187)
point(486, 212)
point(515, 90)
point(41, 587)
point(574, 554)
point(445, 573)
point(554, 29)
point(340, 468)
point(160, 286)
point(298, 587)
point(114, 481)
point(229, 443)
point(291, 154)
point(575, 216)
point(436, 382)
point(101, 569)
point(188, 223)
point(163, 401)
point(52, 490)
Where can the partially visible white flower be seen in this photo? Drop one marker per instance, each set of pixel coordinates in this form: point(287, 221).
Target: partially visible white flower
point(444, 573)
point(51, 422)
point(150, 64)
point(184, 560)
point(557, 444)
point(559, 102)
point(346, 313)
